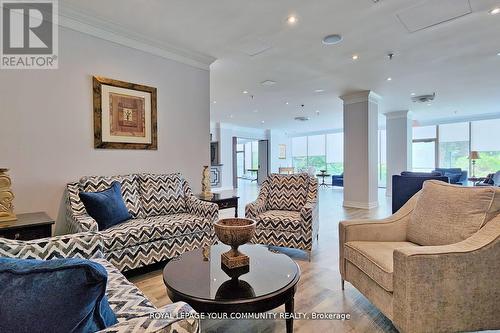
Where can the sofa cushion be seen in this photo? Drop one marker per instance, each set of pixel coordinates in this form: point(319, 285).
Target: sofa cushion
point(162, 194)
point(447, 214)
point(124, 298)
point(106, 207)
point(60, 295)
point(283, 220)
point(129, 188)
point(375, 259)
point(287, 192)
point(139, 231)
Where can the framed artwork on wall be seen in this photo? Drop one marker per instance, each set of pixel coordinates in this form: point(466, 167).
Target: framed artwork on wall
point(282, 152)
point(124, 115)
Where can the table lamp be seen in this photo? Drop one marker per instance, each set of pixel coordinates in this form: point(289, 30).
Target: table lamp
point(473, 156)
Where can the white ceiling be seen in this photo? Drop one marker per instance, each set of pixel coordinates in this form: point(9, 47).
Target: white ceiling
point(457, 59)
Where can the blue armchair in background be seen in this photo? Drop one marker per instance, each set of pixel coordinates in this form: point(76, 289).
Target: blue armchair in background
point(404, 186)
point(338, 180)
point(456, 175)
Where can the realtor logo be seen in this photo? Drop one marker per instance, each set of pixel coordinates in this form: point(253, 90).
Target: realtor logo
point(29, 34)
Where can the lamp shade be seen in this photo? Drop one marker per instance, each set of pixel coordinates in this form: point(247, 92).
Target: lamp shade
point(474, 155)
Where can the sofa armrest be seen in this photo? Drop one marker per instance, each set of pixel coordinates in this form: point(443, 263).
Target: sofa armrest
point(390, 229)
point(202, 208)
point(84, 245)
point(449, 288)
point(310, 217)
point(255, 208)
point(81, 223)
point(176, 317)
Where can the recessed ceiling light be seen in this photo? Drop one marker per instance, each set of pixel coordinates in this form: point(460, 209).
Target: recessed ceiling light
point(287, 103)
point(231, 116)
point(268, 83)
point(319, 90)
point(215, 102)
point(498, 54)
point(355, 57)
point(292, 19)
point(332, 39)
point(495, 11)
point(389, 79)
point(429, 104)
point(262, 121)
point(413, 94)
point(317, 112)
point(245, 92)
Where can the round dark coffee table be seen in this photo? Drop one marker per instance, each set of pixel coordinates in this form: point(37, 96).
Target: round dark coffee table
point(197, 278)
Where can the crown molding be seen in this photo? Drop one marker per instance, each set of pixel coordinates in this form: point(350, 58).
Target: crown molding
point(406, 114)
point(76, 19)
point(361, 96)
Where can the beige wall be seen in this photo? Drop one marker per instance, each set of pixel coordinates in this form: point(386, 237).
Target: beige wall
point(46, 126)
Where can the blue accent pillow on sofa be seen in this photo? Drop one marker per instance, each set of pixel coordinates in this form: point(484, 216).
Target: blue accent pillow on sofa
point(106, 207)
point(59, 295)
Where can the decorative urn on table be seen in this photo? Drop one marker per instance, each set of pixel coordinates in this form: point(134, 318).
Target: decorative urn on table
point(6, 197)
point(234, 232)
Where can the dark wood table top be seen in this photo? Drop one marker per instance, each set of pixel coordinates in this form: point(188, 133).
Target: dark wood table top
point(28, 220)
point(218, 197)
point(198, 278)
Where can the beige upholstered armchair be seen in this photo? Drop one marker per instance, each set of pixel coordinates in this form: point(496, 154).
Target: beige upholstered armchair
point(434, 266)
point(286, 212)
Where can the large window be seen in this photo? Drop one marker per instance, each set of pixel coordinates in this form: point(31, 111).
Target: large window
point(323, 152)
point(335, 153)
point(424, 148)
point(454, 146)
point(485, 135)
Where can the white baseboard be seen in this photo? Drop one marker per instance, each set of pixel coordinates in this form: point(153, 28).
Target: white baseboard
point(361, 205)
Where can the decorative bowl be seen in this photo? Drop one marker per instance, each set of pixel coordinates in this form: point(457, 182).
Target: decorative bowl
point(234, 232)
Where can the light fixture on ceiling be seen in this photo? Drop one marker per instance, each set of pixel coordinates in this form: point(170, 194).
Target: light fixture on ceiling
point(262, 121)
point(332, 39)
point(429, 104)
point(413, 94)
point(245, 92)
point(495, 11)
point(301, 118)
point(215, 102)
point(355, 57)
point(292, 19)
point(498, 54)
point(389, 78)
point(231, 116)
point(268, 83)
point(319, 90)
point(287, 103)
point(317, 112)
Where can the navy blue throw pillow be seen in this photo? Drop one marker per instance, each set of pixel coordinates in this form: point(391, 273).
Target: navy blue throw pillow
point(59, 295)
point(106, 207)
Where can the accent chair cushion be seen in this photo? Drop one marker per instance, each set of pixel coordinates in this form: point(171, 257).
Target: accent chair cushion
point(375, 259)
point(162, 194)
point(106, 207)
point(287, 192)
point(447, 214)
point(60, 295)
point(129, 188)
point(280, 220)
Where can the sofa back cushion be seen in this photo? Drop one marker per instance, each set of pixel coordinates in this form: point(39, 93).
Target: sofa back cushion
point(61, 295)
point(129, 188)
point(287, 192)
point(162, 194)
point(447, 214)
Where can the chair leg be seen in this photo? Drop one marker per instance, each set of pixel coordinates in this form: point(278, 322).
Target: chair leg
point(342, 283)
point(309, 256)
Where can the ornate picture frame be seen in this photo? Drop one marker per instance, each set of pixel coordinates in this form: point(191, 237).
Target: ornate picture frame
point(125, 115)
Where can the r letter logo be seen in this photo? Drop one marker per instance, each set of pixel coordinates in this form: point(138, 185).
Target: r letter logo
point(29, 35)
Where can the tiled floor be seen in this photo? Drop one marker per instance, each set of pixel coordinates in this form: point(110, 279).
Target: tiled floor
point(319, 288)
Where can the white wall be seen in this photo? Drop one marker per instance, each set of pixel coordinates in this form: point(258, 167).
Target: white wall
point(276, 138)
point(399, 145)
point(46, 124)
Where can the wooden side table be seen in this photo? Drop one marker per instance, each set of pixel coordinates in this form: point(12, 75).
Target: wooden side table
point(27, 227)
point(223, 201)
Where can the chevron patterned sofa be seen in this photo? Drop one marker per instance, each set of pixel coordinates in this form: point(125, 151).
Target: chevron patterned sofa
point(167, 218)
point(134, 312)
point(286, 211)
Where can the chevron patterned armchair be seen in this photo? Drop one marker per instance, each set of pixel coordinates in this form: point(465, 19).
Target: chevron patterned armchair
point(134, 312)
point(286, 212)
point(167, 218)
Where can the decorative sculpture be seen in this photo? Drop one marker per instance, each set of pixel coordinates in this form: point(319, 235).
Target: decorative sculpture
point(205, 183)
point(6, 197)
point(235, 232)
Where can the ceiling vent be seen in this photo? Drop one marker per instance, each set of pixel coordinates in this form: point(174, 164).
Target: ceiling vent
point(268, 83)
point(301, 118)
point(424, 98)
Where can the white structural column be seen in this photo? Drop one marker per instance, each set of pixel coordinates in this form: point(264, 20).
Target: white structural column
point(361, 149)
point(399, 144)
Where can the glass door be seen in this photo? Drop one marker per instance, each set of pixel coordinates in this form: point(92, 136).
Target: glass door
point(424, 155)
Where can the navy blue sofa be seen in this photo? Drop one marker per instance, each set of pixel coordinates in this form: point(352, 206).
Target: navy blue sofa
point(338, 180)
point(404, 186)
point(456, 175)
